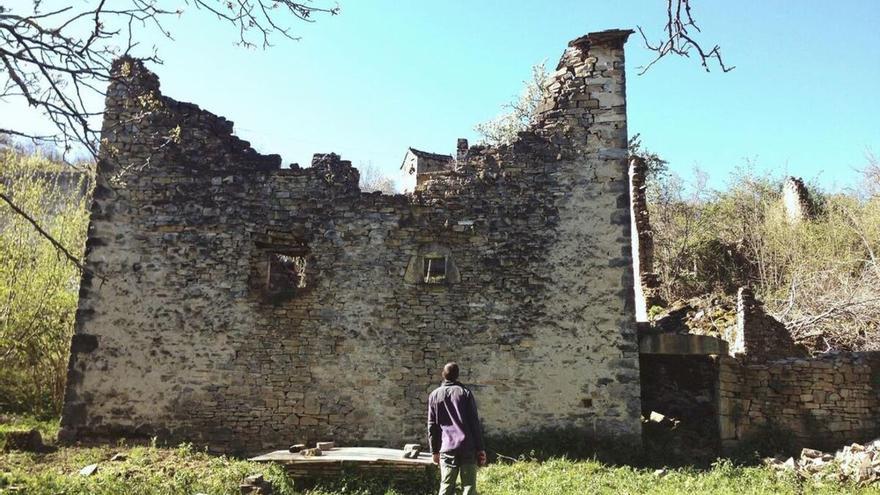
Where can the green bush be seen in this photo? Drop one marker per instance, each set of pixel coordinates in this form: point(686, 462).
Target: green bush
point(38, 286)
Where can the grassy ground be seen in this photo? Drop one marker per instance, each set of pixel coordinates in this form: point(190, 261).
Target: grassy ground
point(184, 470)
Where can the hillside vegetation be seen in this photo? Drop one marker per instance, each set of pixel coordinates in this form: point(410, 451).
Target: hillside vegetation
point(820, 276)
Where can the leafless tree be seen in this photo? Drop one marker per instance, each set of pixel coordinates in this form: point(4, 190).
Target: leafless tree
point(871, 174)
point(678, 39)
point(372, 180)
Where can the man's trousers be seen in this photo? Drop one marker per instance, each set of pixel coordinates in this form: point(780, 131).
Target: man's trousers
point(453, 466)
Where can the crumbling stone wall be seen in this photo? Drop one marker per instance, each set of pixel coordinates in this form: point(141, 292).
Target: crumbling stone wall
point(760, 337)
point(770, 383)
point(647, 285)
point(235, 304)
point(797, 201)
point(767, 385)
point(821, 402)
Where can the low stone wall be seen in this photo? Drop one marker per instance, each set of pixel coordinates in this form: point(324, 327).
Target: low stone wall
point(822, 402)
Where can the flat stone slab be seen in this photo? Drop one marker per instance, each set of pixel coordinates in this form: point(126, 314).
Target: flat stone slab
point(353, 456)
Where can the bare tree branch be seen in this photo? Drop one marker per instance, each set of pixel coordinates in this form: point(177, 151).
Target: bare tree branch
point(60, 247)
point(678, 39)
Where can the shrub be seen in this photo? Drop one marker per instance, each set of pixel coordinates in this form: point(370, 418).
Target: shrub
point(38, 286)
point(819, 276)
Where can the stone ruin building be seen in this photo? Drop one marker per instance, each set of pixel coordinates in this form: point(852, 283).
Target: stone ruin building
point(753, 380)
point(423, 166)
point(239, 305)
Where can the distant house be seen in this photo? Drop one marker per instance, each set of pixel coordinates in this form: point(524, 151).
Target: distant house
point(422, 165)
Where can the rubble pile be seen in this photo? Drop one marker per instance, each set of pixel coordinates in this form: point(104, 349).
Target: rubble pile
point(856, 462)
point(708, 315)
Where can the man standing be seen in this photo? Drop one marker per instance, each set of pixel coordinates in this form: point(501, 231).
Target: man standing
point(454, 433)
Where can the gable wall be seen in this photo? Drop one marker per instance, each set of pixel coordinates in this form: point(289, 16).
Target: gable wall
point(173, 338)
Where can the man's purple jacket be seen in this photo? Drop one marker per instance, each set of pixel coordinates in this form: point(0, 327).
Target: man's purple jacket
point(453, 423)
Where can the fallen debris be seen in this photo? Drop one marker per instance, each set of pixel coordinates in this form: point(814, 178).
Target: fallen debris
point(856, 462)
point(89, 470)
point(663, 420)
point(324, 446)
point(411, 450)
point(297, 447)
point(255, 484)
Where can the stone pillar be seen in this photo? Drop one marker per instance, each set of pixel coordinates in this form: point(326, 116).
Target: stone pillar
point(585, 99)
point(461, 150)
point(759, 336)
point(647, 283)
point(732, 407)
point(796, 200)
point(581, 132)
point(132, 93)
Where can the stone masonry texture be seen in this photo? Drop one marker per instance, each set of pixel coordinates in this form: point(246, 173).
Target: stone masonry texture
point(647, 286)
point(772, 385)
point(797, 201)
point(820, 402)
point(767, 387)
point(242, 306)
point(759, 336)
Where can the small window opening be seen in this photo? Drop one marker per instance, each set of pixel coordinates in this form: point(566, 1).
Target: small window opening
point(284, 275)
point(434, 269)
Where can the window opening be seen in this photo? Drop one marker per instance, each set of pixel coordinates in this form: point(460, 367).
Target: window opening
point(284, 275)
point(434, 269)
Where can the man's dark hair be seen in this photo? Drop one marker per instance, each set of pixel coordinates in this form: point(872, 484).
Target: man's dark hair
point(450, 371)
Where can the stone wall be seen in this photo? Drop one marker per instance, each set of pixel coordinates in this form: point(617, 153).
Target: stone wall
point(772, 385)
point(647, 287)
point(238, 305)
point(796, 200)
point(821, 402)
point(766, 386)
point(760, 337)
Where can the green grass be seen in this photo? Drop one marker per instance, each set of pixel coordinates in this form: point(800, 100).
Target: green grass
point(150, 470)
point(560, 476)
point(146, 470)
point(185, 470)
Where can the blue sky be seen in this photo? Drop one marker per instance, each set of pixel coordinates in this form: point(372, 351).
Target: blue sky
point(384, 75)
